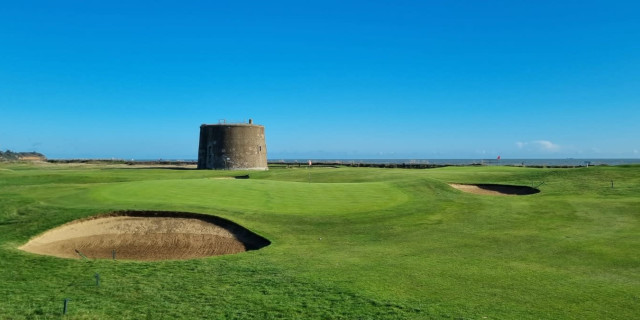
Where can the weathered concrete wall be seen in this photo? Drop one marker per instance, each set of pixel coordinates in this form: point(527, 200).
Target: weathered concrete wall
point(232, 147)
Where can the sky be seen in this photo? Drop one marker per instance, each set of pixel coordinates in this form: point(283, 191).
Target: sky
point(328, 79)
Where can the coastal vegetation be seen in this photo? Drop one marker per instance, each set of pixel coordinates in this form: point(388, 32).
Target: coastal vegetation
point(15, 156)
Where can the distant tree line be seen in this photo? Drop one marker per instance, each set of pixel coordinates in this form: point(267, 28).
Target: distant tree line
point(14, 156)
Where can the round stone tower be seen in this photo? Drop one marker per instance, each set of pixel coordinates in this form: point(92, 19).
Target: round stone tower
point(232, 146)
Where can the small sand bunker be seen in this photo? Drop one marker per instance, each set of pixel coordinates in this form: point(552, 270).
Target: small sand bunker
point(495, 189)
point(143, 235)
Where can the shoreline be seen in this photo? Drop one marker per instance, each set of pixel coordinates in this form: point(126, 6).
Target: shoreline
point(380, 163)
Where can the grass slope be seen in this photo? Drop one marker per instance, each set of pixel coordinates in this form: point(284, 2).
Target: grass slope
point(355, 243)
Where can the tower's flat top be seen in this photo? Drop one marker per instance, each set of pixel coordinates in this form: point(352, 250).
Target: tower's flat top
point(231, 125)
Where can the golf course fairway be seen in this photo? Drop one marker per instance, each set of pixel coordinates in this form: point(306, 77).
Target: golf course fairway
point(343, 243)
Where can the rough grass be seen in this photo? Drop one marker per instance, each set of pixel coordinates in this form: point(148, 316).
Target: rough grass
point(355, 243)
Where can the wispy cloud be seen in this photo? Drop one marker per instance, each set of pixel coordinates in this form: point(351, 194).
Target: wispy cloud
point(547, 145)
point(539, 145)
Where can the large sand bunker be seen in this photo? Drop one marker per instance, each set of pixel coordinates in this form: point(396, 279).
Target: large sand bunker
point(143, 235)
point(495, 189)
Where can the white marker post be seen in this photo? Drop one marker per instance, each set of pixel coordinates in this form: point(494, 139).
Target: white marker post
point(308, 169)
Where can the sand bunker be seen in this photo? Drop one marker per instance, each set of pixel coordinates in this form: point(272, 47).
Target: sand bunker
point(495, 189)
point(142, 235)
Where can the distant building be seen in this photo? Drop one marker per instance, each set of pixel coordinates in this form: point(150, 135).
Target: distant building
point(232, 146)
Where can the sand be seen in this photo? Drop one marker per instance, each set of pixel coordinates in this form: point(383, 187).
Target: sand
point(144, 238)
point(495, 189)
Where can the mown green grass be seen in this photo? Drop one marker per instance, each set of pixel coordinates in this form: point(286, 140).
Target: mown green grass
point(355, 243)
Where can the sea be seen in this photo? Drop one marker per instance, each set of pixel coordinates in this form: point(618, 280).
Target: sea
point(565, 162)
point(462, 162)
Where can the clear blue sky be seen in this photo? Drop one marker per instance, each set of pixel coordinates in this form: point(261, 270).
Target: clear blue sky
point(328, 79)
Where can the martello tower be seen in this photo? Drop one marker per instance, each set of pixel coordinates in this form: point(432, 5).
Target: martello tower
point(232, 146)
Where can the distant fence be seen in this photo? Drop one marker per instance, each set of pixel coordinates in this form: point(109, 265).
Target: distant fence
point(404, 165)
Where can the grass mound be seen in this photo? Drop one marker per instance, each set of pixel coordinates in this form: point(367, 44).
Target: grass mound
point(146, 235)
